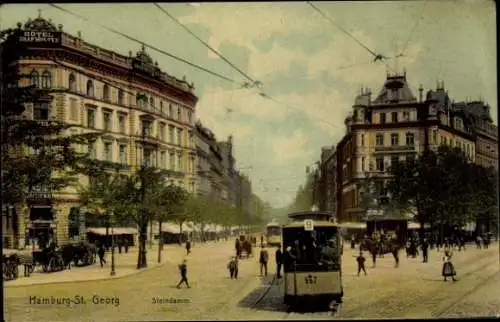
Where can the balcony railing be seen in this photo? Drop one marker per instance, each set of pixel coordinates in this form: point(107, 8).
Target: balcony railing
point(395, 148)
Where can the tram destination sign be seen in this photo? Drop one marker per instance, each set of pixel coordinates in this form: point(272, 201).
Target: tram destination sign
point(308, 225)
point(50, 38)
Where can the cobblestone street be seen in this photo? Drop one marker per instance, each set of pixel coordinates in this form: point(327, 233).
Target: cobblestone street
point(412, 290)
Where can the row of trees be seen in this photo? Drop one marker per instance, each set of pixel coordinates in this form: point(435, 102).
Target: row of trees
point(441, 188)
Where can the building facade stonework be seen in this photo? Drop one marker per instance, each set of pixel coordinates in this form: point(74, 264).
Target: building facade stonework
point(396, 125)
point(146, 115)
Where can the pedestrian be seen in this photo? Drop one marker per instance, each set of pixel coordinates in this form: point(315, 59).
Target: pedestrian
point(461, 243)
point(478, 242)
point(263, 259)
point(183, 271)
point(188, 247)
point(279, 262)
point(101, 253)
point(237, 247)
point(425, 250)
point(448, 268)
point(353, 242)
point(126, 244)
point(233, 267)
point(120, 245)
point(261, 240)
point(361, 263)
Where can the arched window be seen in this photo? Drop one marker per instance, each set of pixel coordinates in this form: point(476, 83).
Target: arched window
point(90, 88)
point(105, 92)
point(141, 100)
point(34, 79)
point(72, 82)
point(151, 103)
point(46, 79)
point(120, 97)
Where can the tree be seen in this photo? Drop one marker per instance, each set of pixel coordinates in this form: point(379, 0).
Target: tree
point(441, 185)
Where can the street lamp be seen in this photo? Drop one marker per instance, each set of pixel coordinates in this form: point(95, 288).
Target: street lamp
point(113, 272)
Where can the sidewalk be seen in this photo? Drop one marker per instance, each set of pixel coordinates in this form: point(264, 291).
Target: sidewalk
point(125, 265)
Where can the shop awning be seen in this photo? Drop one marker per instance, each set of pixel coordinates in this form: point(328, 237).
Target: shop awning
point(115, 231)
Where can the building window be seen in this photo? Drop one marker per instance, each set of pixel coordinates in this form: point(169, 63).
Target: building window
point(162, 131)
point(191, 165)
point(410, 139)
point(91, 118)
point(362, 140)
point(171, 134)
point(120, 97)
point(73, 109)
point(394, 139)
point(107, 121)
point(394, 161)
point(105, 92)
point(406, 116)
point(151, 103)
point(148, 157)
point(140, 101)
point(46, 79)
point(90, 88)
point(363, 164)
point(92, 150)
point(163, 159)
point(34, 79)
point(108, 151)
point(146, 128)
point(190, 117)
point(172, 161)
point(394, 117)
point(161, 107)
point(379, 162)
point(72, 82)
point(445, 141)
point(180, 166)
point(41, 111)
point(468, 150)
point(123, 154)
point(382, 118)
point(170, 110)
point(179, 112)
point(379, 139)
point(191, 140)
point(434, 136)
point(121, 122)
point(179, 136)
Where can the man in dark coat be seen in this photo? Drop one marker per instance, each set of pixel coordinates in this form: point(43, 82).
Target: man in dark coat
point(263, 259)
point(360, 259)
point(188, 247)
point(100, 253)
point(233, 267)
point(279, 262)
point(425, 250)
point(183, 271)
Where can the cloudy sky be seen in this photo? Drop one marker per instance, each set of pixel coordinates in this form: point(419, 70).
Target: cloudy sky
point(310, 68)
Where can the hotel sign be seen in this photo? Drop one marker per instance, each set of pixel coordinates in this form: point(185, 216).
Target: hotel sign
point(40, 37)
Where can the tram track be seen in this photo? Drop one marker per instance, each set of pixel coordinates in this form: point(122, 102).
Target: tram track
point(420, 300)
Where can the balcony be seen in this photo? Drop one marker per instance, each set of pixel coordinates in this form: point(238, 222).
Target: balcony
point(147, 138)
point(395, 148)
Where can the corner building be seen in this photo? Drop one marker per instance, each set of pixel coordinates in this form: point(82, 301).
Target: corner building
point(147, 115)
point(393, 127)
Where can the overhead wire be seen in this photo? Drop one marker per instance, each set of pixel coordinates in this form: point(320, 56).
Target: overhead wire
point(144, 44)
point(413, 29)
point(378, 57)
point(205, 43)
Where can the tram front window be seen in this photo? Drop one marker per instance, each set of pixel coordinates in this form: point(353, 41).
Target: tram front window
point(316, 250)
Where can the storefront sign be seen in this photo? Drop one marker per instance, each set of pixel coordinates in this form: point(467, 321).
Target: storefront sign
point(40, 37)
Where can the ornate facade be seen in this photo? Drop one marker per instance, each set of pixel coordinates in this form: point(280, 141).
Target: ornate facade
point(392, 127)
point(146, 115)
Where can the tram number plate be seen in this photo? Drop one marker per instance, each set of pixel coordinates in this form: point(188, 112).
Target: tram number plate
point(308, 225)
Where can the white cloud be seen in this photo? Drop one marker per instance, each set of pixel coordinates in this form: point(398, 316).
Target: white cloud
point(289, 148)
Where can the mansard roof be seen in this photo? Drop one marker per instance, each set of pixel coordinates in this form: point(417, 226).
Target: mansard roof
point(395, 81)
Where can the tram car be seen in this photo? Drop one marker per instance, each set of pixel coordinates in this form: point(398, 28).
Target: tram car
point(312, 245)
point(273, 234)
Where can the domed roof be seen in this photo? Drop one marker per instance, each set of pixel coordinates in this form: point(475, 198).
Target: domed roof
point(142, 56)
point(40, 24)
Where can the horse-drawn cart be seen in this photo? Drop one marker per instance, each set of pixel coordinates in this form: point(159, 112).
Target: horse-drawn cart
point(51, 260)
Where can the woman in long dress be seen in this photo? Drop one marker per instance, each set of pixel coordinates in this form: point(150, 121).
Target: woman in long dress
point(448, 268)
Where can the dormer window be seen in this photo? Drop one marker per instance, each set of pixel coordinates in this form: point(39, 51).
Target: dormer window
point(46, 79)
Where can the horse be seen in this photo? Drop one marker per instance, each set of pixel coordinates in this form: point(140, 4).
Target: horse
point(375, 248)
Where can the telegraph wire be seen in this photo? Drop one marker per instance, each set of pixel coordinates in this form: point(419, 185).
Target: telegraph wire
point(413, 29)
point(180, 24)
point(378, 57)
point(144, 44)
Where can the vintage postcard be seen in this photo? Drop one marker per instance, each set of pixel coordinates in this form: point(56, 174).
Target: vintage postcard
point(249, 161)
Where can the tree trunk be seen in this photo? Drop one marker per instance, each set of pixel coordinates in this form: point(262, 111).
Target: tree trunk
point(160, 242)
point(180, 232)
point(141, 259)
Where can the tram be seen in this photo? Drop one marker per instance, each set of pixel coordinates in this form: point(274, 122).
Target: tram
point(312, 245)
point(273, 234)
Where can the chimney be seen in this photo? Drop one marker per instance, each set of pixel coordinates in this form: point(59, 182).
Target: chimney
point(420, 93)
